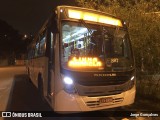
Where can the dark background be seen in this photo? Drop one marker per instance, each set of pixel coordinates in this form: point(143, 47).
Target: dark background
point(27, 16)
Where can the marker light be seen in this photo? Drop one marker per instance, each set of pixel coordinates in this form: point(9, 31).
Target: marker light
point(84, 62)
point(131, 83)
point(77, 14)
point(132, 77)
point(68, 80)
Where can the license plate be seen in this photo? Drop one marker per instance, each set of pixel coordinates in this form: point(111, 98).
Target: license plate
point(106, 100)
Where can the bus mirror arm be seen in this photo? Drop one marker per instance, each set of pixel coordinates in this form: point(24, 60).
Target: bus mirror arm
point(127, 24)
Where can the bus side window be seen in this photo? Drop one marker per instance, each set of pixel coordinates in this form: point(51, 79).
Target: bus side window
point(36, 54)
point(52, 52)
point(42, 46)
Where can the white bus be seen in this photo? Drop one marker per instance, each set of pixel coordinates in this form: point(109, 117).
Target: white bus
point(82, 60)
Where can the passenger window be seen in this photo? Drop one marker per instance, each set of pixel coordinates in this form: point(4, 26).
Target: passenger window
point(36, 50)
point(42, 46)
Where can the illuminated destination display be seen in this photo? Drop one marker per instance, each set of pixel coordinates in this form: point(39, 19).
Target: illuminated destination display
point(84, 62)
point(77, 14)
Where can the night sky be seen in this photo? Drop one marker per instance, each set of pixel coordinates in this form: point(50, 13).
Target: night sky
point(27, 16)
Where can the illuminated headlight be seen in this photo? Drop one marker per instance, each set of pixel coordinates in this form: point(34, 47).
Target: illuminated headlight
point(131, 82)
point(68, 80)
point(68, 85)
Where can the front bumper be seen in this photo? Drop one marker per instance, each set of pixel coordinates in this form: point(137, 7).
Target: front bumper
point(65, 102)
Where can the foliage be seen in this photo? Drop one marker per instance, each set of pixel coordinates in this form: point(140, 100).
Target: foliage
point(149, 86)
point(11, 42)
point(144, 27)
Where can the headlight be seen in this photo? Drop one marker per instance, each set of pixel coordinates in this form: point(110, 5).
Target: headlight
point(68, 85)
point(68, 80)
point(131, 82)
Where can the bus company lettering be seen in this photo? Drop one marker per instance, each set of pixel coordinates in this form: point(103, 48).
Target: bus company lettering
point(104, 75)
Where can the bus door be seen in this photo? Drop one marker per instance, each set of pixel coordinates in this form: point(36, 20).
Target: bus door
point(51, 68)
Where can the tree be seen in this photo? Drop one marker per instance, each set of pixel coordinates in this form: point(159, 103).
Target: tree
point(144, 27)
point(11, 42)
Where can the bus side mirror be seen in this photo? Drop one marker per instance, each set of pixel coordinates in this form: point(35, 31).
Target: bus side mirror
point(127, 24)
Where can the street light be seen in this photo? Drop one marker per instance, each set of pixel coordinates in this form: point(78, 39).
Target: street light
point(25, 36)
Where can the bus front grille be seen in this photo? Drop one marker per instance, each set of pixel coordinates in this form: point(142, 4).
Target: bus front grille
point(93, 91)
point(103, 81)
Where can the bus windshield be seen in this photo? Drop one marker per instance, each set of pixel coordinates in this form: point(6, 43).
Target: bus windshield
point(93, 47)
